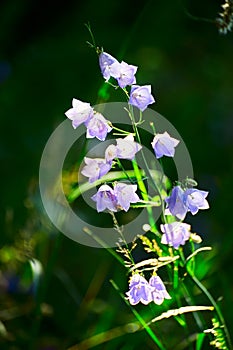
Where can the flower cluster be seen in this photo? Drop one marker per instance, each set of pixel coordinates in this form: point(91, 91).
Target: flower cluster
point(82, 113)
point(145, 292)
point(118, 197)
point(140, 96)
point(126, 148)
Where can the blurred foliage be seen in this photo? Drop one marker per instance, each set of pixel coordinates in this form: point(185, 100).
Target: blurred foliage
point(56, 293)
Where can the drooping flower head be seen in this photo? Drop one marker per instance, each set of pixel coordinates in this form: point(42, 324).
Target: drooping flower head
point(80, 112)
point(97, 127)
point(159, 292)
point(142, 291)
point(176, 203)
point(125, 195)
point(175, 233)
point(139, 290)
point(95, 168)
point(124, 73)
point(164, 145)
point(140, 96)
point(105, 199)
point(105, 62)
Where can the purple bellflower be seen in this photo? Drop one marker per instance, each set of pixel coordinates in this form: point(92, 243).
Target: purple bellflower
point(119, 197)
point(127, 147)
point(110, 153)
point(195, 200)
point(164, 145)
point(95, 168)
point(123, 73)
point(140, 96)
point(175, 233)
point(139, 290)
point(125, 195)
point(97, 127)
point(80, 112)
point(159, 292)
point(106, 61)
point(176, 203)
point(105, 199)
point(180, 201)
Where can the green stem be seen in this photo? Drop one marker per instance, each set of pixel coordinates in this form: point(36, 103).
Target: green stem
point(215, 305)
point(143, 190)
point(111, 176)
point(103, 245)
point(154, 184)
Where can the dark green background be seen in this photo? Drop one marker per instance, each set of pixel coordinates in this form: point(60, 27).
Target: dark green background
point(44, 63)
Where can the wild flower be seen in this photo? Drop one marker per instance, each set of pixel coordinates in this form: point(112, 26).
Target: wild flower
point(80, 112)
point(182, 201)
point(141, 97)
point(175, 233)
point(97, 126)
point(119, 197)
point(164, 145)
point(95, 168)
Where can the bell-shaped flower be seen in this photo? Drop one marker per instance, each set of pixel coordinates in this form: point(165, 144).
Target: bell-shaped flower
point(159, 292)
point(125, 195)
point(195, 199)
point(80, 112)
point(127, 147)
point(139, 290)
point(97, 127)
point(164, 145)
point(141, 97)
point(105, 198)
point(95, 168)
point(106, 61)
point(175, 234)
point(110, 153)
point(176, 203)
point(124, 73)
point(180, 202)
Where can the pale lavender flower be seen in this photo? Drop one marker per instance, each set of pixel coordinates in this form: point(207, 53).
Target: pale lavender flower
point(194, 200)
point(139, 290)
point(176, 203)
point(127, 147)
point(105, 62)
point(95, 168)
point(180, 201)
point(164, 145)
point(110, 153)
point(123, 73)
point(175, 233)
point(97, 127)
point(125, 195)
point(105, 198)
point(80, 112)
point(159, 292)
point(140, 96)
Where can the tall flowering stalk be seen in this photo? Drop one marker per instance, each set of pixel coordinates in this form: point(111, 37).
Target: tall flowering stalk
point(172, 246)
